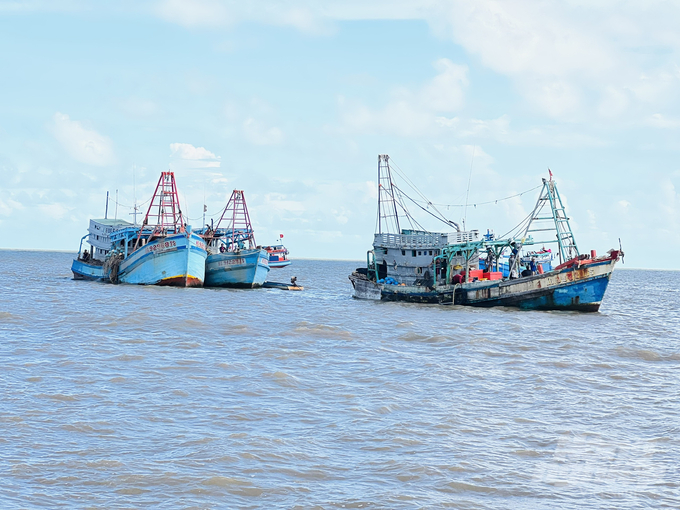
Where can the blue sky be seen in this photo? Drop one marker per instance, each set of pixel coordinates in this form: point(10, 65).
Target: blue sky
point(293, 101)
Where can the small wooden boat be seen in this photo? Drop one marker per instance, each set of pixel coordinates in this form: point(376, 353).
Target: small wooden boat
point(282, 286)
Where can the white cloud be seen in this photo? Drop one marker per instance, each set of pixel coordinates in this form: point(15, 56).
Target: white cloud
point(219, 13)
point(411, 113)
point(571, 60)
point(445, 92)
point(82, 144)
point(495, 128)
point(200, 157)
point(258, 134)
point(7, 207)
point(658, 120)
point(54, 211)
point(194, 13)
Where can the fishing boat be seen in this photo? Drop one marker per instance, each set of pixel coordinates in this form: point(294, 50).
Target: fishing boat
point(278, 254)
point(234, 259)
point(401, 267)
point(466, 269)
point(577, 283)
point(89, 264)
point(163, 250)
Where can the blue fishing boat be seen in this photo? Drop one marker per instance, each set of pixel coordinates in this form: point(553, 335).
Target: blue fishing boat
point(234, 259)
point(89, 264)
point(577, 283)
point(163, 250)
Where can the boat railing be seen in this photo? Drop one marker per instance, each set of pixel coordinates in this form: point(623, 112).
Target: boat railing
point(467, 236)
point(424, 240)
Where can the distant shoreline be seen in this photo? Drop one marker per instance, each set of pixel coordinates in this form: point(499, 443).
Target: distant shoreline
point(74, 252)
point(618, 267)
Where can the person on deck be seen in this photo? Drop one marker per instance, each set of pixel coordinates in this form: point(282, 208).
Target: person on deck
point(489, 259)
point(532, 265)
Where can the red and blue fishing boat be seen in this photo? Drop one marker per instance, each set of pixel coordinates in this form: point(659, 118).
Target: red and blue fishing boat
point(278, 254)
point(446, 268)
point(577, 283)
point(163, 250)
point(234, 259)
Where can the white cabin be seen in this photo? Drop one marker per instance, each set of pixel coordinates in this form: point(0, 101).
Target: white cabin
point(98, 236)
point(409, 256)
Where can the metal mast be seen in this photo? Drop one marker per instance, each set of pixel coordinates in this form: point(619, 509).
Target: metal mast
point(388, 218)
point(239, 229)
point(565, 236)
point(164, 213)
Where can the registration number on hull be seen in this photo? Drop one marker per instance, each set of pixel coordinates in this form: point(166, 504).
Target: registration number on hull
point(162, 247)
point(231, 262)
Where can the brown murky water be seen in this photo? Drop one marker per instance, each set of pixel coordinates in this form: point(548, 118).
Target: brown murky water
point(145, 397)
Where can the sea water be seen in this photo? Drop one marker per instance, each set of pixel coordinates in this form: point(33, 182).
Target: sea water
point(121, 396)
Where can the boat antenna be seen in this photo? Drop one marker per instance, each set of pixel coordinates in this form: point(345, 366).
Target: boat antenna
point(106, 213)
point(134, 192)
point(467, 194)
point(205, 208)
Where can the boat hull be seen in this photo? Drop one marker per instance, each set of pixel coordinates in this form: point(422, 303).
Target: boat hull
point(279, 263)
point(176, 260)
point(84, 271)
point(574, 288)
point(370, 290)
point(246, 268)
point(366, 289)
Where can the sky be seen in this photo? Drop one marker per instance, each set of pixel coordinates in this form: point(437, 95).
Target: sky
point(292, 101)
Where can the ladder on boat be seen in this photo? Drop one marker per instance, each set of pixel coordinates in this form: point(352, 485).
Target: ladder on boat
point(565, 237)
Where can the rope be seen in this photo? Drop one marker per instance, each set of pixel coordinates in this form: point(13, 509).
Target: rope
point(490, 201)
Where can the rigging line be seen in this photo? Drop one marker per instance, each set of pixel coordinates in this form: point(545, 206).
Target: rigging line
point(527, 219)
point(467, 194)
point(111, 199)
point(408, 181)
point(490, 201)
point(442, 218)
point(400, 203)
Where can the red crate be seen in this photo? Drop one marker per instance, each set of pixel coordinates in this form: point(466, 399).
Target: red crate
point(476, 273)
point(493, 276)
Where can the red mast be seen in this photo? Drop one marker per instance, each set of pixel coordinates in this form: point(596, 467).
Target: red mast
point(239, 228)
point(164, 213)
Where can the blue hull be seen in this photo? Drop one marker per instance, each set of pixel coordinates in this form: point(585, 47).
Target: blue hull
point(575, 288)
point(247, 268)
point(177, 260)
point(84, 271)
point(279, 263)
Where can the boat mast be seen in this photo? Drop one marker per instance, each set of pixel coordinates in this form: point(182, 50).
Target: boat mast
point(164, 209)
point(388, 219)
point(239, 226)
point(565, 237)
